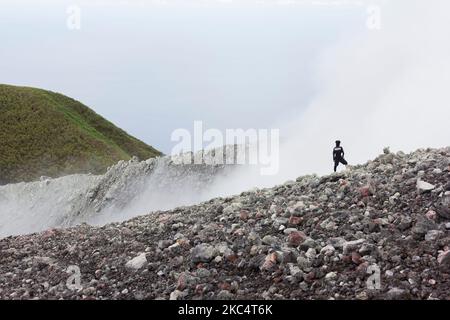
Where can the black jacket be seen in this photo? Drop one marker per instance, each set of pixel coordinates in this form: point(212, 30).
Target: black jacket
point(338, 153)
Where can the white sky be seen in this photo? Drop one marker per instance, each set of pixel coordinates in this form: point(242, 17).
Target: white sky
point(151, 68)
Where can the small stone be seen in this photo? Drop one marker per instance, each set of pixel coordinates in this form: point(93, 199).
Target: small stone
point(423, 186)
point(352, 245)
point(308, 243)
point(289, 230)
point(365, 191)
point(294, 220)
point(331, 276)
point(431, 215)
point(186, 280)
point(397, 294)
point(137, 262)
point(177, 295)
point(444, 260)
point(361, 295)
point(203, 253)
point(44, 260)
point(162, 244)
point(225, 295)
point(303, 263)
point(422, 227)
point(295, 238)
point(203, 273)
point(356, 258)
point(311, 253)
point(337, 243)
point(310, 276)
point(269, 240)
point(244, 215)
point(433, 235)
point(294, 270)
point(328, 250)
point(443, 207)
point(224, 250)
point(405, 223)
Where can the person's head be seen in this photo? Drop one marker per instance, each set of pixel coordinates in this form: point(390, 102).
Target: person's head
point(338, 143)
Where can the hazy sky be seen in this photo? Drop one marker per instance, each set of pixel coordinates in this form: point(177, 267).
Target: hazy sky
point(153, 68)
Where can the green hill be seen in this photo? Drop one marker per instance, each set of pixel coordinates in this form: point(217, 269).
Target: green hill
point(46, 133)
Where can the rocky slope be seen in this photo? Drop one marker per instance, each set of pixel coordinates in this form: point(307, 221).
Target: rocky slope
point(313, 238)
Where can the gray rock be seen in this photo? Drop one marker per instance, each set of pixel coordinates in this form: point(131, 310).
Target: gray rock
point(405, 223)
point(424, 186)
point(337, 242)
point(397, 294)
point(433, 235)
point(137, 262)
point(269, 240)
point(443, 207)
point(203, 253)
point(177, 295)
point(444, 260)
point(421, 228)
point(350, 246)
point(289, 230)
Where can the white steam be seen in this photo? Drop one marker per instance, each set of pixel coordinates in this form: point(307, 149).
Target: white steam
point(381, 88)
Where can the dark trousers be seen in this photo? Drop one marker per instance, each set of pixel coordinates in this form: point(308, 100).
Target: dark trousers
point(337, 161)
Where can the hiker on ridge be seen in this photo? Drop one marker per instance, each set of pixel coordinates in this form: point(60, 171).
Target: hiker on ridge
point(338, 155)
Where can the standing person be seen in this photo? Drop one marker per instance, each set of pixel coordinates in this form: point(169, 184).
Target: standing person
point(338, 155)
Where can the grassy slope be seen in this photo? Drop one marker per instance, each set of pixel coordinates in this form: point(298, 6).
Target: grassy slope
point(46, 133)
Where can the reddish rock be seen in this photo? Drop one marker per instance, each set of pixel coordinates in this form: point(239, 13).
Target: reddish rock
point(310, 276)
point(296, 238)
point(224, 286)
point(293, 220)
point(347, 259)
point(431, 215)
point(49, 233)
point(362, 268)
point(232, 257)
point(244, 215)
point(277, 279)
point(181, 284)
point(365, 191)
point(184, 243)
point(270, 261)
